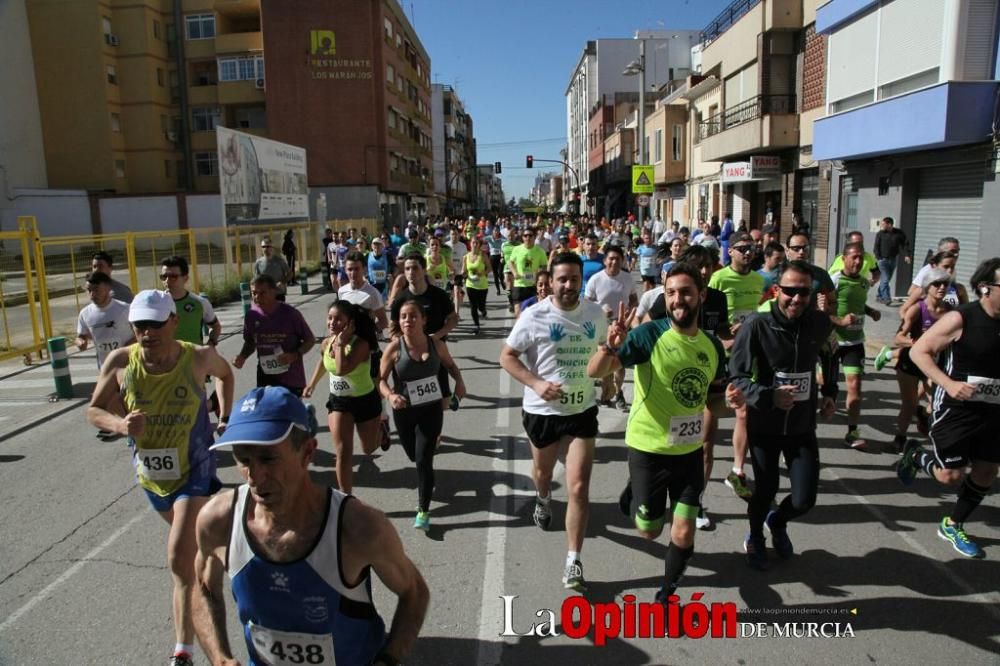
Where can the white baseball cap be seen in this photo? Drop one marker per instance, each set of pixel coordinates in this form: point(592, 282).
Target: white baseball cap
point(151, 305)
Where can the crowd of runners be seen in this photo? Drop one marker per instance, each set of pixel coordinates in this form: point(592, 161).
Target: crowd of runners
point(713, 322)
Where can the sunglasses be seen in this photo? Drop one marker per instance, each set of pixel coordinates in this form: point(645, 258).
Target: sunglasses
point(804, 292)
point(743, 249)
point(147, 325)
point(940, 283)
point(170, 276)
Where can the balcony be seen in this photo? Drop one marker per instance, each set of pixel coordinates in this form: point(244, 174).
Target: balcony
point(948, 114)
point(240, 92)
point(762, 122)
point(238, 8)
point(239, 42)
point(725, 20)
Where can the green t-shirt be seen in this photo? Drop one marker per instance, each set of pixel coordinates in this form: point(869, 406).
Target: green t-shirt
point(672, 375)
point(193, 312)
point(438, 274)
point(852, 294)
point(506, 249)
point(527, 263)
point(742, 292)
point(475, 267)
point(868, 264)
point(410, 248)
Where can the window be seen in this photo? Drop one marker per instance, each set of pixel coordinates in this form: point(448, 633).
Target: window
point(399, 40)
point(388, 28)
point(658, 146)
point(112, 75)
point(204, 73)
point(119, 168)
point(399, 82)
point(204, 118)
point(390, 74)
point(206, 164)
point(251, 117)
point(244, 68)
point(156, 32)
point(166, 168)
point(677, 144)
point(159, 77)
point(106, 25)
point(116, 122)
point(391, 119)
point(200, 26)
point(164, 123)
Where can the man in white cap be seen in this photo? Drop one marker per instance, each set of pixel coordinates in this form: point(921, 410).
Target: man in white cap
point(154, 393)
point(298, 554)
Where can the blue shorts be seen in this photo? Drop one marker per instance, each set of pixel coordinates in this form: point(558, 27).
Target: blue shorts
point(196, 486)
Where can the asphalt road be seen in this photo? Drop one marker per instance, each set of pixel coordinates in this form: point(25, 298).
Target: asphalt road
point(82, 557)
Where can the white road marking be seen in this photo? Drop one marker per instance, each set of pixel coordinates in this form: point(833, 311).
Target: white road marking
point(66, 575)
point(48, 382)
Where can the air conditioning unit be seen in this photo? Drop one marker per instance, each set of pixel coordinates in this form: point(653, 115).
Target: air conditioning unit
point(112, 40)
point(259, 84)
point(172, 136)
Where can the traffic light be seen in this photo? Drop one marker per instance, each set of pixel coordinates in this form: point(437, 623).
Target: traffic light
point(496, 167)
point(529, 161)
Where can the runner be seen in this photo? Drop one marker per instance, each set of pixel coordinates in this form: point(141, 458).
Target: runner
point(852, 293)
point(458, 250)
point(774, 259)
point(593, 261)
point(773, 363)
point(496, 243)
point(324, 262)
point(869, 264)
point(298, 554)
point(354, 402)
point(478, 269)
point(378, 267)
point(104, 320)
point(359, 291)
point(648, 269)
point(153, 392)
point(280, 336)
point(543, 289)
point(103, 263)
point(915, 323)
point(966, 404)
point(744, 289)
point(194, 312)
point(416, 361)
point(273, 265)
point(556, 338)
point(674, 365)
point(513, 241)
point(611, 288)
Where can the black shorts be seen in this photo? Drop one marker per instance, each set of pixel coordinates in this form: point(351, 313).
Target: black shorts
point(264, 379)
point(521, 294)
point(904, 364)
point(656, 478)
point(852, 357)
point(546, 429)
point(363, 407)
point(960, 435)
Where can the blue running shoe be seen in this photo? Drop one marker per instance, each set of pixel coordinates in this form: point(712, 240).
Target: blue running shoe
point(779, 535)
point(953, 532)
point(422, 521)
point(906, 468)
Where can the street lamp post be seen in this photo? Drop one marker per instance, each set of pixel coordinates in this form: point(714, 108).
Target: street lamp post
point(639, 67)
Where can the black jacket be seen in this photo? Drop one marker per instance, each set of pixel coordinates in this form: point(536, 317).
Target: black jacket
point(769, 343)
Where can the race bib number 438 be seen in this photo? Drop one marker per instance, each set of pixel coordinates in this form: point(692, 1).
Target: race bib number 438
point(281, 648)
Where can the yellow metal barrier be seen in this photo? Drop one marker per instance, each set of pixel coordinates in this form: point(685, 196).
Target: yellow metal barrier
point(20, 318)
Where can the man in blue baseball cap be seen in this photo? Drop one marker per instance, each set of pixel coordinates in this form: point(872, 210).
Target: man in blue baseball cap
point(298, 553)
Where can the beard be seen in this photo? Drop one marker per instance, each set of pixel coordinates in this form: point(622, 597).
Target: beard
point(686, 320)
point(568, 298)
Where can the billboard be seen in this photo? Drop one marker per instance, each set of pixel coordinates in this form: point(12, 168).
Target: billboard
point(260, 179)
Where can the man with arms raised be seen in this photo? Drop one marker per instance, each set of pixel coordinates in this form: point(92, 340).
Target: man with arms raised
point(547, 351)
point(298, 554)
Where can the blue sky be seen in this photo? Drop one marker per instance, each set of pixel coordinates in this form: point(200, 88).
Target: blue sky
point(510, 62)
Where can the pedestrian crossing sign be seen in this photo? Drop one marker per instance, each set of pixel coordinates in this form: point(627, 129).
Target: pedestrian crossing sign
point(642, 179)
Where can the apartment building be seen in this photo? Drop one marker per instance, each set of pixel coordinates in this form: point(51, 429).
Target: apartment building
point(667, 151)
point(762, 63)
point(910, 124)
point(130, 95)
point(599, 73)
point(454, 152)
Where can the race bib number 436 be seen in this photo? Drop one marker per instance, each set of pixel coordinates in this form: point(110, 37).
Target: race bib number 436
point(281, 648)
point(158, 464)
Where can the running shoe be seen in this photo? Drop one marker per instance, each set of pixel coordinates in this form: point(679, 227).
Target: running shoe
point(386, 437)
point(663, 595)
point(779, 536)
point(484, 315)
point(625, 500)
point(475, 331)
point(702, 522)
point(181, 659)
point(854, 440)
point(953, 532)
point(510, 308)
point(906, 467)
point(620, 401)
point(422, 521)
point(738, 484)
point(573, 577)
point(884, 356)
point(542, 515)
point(756, 550)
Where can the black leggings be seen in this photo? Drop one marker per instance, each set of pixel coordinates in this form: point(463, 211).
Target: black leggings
point(419, 429)
point(496, 261)
point(477, 302)
point(802, 459)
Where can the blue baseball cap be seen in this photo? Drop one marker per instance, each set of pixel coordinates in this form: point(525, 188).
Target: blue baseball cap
point(265, 416)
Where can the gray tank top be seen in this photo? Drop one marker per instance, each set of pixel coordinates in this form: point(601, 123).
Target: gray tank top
point(409, 369)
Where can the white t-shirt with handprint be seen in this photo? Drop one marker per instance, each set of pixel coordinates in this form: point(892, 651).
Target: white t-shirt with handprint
point(557, 345)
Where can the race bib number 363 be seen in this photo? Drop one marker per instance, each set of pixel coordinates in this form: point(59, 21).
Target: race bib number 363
point(282, 648)
point(987, 389)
